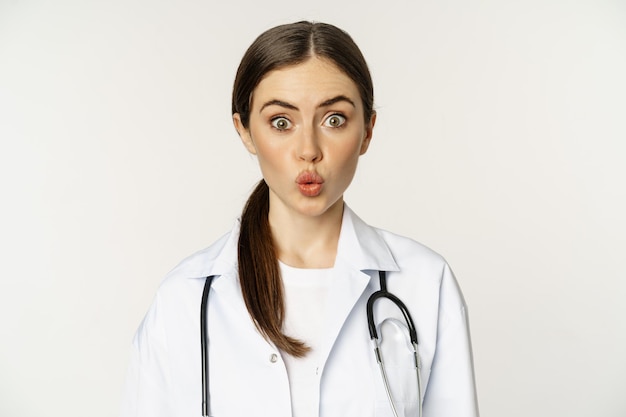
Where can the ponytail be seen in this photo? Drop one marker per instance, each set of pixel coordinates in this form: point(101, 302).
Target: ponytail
point(259, 273)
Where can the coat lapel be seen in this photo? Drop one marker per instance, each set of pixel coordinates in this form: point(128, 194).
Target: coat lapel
point(360, 249)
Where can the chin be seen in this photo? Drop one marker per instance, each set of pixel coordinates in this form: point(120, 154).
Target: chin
point(318, 206)
point(298, 204)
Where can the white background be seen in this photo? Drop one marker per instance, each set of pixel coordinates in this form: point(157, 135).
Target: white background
point(500, 143)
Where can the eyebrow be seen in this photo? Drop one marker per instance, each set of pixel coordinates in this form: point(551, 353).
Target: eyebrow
point(329, 102)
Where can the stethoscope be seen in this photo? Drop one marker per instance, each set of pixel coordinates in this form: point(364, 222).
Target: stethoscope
point(377, 295)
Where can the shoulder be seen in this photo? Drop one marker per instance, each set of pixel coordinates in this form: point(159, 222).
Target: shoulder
point(419, 263)
point(406, 248)
point(217, 259)
point(372, 248)
point(200, 263)
point(412, 256)
point(178, 295)
point(187, 278)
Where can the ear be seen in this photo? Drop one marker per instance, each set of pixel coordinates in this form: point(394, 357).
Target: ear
point(369, 131)
point(244, 134)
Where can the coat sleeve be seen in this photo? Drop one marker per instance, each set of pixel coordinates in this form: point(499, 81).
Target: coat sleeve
point(146, 391)
point(451, 390)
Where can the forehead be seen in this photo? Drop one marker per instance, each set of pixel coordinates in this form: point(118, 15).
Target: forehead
point(312, 81)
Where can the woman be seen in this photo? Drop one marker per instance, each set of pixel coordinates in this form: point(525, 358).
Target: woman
point(286, 311)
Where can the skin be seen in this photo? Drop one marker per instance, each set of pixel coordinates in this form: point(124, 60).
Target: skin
point(306, 118)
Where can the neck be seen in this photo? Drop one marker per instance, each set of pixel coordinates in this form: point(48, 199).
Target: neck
point(304, 241)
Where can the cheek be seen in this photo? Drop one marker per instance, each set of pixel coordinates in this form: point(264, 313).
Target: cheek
point(271, 159)
point(349, 152)
point(265, 152)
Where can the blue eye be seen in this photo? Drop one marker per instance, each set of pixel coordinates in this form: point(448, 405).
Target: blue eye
point(281, 123)
point(335, 120)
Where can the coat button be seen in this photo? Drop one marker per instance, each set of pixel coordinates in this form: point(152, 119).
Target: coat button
point(273, 358)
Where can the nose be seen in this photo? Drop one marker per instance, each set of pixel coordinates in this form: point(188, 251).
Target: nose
point(308, 146)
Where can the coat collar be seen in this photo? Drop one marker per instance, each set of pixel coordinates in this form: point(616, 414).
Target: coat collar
point(360, 248)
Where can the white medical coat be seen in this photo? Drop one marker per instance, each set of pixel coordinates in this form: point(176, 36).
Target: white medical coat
point(247, 374)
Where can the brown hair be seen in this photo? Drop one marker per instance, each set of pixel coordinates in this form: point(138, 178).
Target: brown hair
point(282, 46)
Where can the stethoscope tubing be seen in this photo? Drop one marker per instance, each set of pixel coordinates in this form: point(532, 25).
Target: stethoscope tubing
point(206, 401)
point(377, 295)
point(383, 293)
point(371, 324)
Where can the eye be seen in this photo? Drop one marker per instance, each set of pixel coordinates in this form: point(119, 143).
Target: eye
point(281, 123)
point(335, 120)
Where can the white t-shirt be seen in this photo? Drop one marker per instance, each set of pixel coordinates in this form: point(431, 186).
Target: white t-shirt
point(306, 292)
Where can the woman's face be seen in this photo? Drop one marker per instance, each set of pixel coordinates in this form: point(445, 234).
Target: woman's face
point(307, 129)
